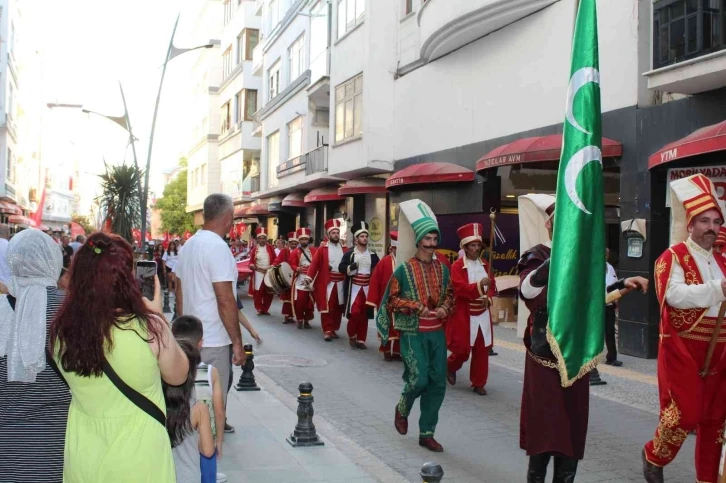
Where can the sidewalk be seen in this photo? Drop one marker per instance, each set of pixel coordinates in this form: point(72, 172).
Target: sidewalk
point(258, 452)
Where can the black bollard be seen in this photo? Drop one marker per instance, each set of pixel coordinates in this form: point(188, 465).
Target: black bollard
point(595, 378)
point(247, 379)
point(304, 434)
point(431, 473)
point(166, 308)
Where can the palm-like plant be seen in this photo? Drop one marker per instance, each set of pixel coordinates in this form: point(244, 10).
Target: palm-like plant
point(121, 198)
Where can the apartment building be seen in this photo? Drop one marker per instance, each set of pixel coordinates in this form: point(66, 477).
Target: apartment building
point(204, 171)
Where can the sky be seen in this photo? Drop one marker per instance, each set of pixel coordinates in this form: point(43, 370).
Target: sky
point(89, 46)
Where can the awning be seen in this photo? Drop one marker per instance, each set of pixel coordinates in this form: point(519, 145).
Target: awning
point(258, 210)
point(537, 149)
point(21, 220)
point(327, 193)
point(10, 209)
point(363, 186)
point(294, 200)
point(430, 173)
point(706, 140)
point(240, 211)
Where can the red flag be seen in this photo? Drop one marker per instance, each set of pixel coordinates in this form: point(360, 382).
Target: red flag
point(76, 230)
point(187, 235)
point(241, 228)
point(165, 243)
point(38, 215)
point(148, 236)
point(136, 234)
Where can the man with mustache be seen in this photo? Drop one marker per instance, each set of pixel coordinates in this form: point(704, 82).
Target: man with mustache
point(690, 286)
point(284, 256)
point(300, 260)
point(357, 266)
point(262, 256)
point(327, 281)
point(417, 302)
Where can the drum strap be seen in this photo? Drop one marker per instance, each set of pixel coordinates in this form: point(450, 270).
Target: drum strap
point(306, 256)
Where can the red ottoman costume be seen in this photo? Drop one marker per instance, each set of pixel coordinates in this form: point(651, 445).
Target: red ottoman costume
point(380, 277)
point(285, 297)
point(262, 257)
point(302, 298)
point(688, 287)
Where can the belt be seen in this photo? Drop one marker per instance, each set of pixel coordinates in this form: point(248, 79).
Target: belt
point(426, 324)
point(305, 269)
point(361, 280)
point(704, 331)
point(336, 277)
point(477, 307)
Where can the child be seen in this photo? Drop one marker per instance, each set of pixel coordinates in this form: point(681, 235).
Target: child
point(188, 423)
point(208, 389)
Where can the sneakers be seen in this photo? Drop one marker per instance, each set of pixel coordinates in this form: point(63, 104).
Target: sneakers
point(221, 478)
point(228, 428)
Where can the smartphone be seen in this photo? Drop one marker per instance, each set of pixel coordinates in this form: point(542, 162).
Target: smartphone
point(145, 272)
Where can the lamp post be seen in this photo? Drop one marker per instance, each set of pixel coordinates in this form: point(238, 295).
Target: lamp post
point(171, 53)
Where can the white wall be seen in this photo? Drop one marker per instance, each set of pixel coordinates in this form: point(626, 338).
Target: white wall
point(513, 80)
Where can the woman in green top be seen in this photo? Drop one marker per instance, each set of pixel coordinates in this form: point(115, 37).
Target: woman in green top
point(109, 438)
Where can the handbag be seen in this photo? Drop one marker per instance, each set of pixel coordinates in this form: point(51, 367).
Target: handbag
point(139, 400)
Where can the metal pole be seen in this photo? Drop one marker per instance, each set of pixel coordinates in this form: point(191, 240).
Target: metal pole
point(145, 194)
point(131, 135)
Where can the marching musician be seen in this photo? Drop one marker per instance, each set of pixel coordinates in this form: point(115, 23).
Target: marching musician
point(284, 257)
point(262, 256)
point(302, 298)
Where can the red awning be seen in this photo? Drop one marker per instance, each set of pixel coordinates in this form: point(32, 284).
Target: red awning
point(706, 140)
point(9, 208)
point(430, 173)
point(537, 149)
point(327, 193)
point(21, 220)
point(260, 209)
point(240, 211)
point(363, 186)
point(295, 200)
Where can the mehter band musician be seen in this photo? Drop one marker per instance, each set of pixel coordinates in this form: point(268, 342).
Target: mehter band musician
point(390, 347)
point(285, 297)
point(262, 257)
point(302, 298)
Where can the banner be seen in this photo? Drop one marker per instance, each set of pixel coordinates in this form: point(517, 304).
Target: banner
point(717, 174)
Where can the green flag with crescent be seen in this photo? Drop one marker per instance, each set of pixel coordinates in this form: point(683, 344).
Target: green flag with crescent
point(576, 288)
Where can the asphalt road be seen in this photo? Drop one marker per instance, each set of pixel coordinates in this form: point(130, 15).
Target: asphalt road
point(356, 391)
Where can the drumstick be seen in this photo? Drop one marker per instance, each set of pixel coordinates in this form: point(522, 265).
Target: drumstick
point(616, 295)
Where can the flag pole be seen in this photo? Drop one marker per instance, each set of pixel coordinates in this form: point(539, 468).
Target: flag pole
point(492, 217)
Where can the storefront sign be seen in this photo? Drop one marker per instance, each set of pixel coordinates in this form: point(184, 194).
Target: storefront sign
point(635, 247)
point(506, 255)
point(376, 240)
point(717, 174)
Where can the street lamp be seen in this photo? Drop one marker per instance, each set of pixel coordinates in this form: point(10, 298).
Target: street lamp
point(171, 53)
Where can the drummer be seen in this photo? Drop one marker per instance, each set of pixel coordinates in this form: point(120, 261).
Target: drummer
point(285, 297)
point(301, 296)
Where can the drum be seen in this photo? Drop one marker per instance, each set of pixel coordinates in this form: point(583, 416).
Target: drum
point(278, 279)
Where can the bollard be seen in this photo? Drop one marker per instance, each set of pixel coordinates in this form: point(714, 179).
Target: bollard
point(247, 379)
point(166, 308)
point(304, 434)
point(595, 379)
point(431, 473)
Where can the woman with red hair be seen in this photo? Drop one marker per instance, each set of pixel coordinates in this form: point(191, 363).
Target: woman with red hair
point(114, 348)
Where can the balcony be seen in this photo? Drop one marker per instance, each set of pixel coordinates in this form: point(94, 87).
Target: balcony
point(316, 161)
point(258, 55)
point(447, 25)
point(291, 166)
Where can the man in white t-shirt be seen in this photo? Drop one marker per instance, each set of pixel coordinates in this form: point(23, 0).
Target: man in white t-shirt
point(610, 317)
point(207, 275)
point(4, 269)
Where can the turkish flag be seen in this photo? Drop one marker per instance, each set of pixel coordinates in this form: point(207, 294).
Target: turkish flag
point(76, 230)
point(241, 228)
point(38, 215)
point(136, 234)
point(187, 235)
point(165, 243)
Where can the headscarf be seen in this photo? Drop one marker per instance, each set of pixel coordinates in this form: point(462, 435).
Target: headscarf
point(35, 263)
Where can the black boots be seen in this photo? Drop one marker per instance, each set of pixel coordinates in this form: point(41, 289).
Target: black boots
point(652, 473)
point(538, 468)
point(565, 469)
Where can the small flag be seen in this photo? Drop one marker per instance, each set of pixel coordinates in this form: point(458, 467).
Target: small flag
point(576, 288)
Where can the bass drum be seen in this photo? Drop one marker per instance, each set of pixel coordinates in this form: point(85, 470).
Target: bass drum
point(279, 279)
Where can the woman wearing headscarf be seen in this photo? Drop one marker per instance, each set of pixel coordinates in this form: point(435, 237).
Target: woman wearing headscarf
point(34, 399)
point(114, 348)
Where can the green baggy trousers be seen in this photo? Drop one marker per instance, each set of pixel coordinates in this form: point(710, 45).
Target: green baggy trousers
point(424, 375)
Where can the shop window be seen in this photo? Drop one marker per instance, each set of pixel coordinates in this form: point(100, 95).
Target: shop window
point(685, 29)
point(349, 109)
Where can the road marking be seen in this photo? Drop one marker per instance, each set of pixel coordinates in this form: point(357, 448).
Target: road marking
point(605, 369)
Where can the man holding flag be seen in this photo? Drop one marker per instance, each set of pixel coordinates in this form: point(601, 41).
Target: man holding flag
point(562, 286)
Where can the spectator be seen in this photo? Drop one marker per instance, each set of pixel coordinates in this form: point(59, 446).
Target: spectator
point(107, 335)
point(4, 269)
point(170, 259)
point(159, 259)
point(188, 424)
point(279, 245)
point(34, 399)
point(80, 240)
point(208, 388)
point(67, 251)
point(611, 316)
point(206, 278)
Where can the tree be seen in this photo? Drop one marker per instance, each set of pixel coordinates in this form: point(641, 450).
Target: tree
point(173, 204)
point(83, 221)
point(121, 198)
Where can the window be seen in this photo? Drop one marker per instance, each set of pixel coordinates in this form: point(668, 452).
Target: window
point(297, 58)
point(227, 63)
point(226, 117)
point(246, 43)
point(273, 157)
point(10, 167)
point(204, 174)
point(295, 137)
point(319, 42)
point(684, 29)
point(408, 7)
point(273, 76)
point(250, 104)
point(11, 43)
point(238, 105)
point(227, 11)
point(349, 109)
point(11, 100)
point(274, 12)
point(350, 14)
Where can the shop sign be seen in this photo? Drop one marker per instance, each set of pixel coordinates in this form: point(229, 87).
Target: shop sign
point(376, 240)
point(502, 160)
point(717, 174)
